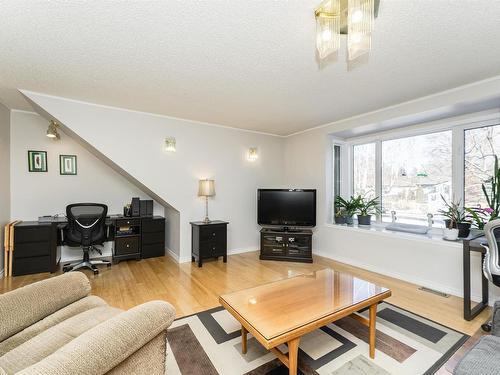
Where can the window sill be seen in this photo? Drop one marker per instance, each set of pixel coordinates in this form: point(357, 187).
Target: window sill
point(434, 236)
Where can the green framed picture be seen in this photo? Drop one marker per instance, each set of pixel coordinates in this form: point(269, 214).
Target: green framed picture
point(67, 164)
point(37, 161)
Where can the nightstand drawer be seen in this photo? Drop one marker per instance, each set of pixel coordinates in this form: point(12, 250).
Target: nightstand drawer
point(212, 232)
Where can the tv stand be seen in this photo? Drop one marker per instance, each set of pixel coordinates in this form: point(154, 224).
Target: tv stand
point(293, 245)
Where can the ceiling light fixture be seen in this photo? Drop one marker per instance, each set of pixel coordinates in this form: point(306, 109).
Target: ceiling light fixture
point(352, 17)
point(52, 130)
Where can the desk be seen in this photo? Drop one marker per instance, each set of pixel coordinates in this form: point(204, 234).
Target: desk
point(37, 244)
point(470, 245)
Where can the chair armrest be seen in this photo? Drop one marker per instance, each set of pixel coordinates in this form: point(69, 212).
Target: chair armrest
point(495, 321)
point(103, 347)
point(25, 306)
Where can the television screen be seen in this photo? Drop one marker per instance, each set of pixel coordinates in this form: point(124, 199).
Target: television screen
point(286, 207)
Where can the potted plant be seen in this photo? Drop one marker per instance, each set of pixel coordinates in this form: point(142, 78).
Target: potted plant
point(340, 216)
point(367, 208)
point(347, 208)
point(456, 224)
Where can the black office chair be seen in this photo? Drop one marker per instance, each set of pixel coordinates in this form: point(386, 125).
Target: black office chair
point(86, 228)
point(491, 265)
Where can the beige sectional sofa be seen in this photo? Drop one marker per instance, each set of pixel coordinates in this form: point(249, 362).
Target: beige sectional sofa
point(56, 327)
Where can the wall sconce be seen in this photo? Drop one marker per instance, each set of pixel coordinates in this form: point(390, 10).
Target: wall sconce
point(170, 144)
point(52, 131)
point(253, 154)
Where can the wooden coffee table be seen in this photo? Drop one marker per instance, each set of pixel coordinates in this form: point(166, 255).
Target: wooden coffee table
point(284, 311)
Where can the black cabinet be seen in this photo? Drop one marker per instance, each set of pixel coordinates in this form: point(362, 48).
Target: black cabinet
point(153, 237)
point(127, 234)
point(208, 240)
point(35, 248)
point(293, 246)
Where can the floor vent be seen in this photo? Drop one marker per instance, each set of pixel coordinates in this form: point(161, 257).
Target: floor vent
point(437, 292)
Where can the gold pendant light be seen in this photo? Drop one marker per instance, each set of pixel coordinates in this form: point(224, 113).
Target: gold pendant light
point(352, 17)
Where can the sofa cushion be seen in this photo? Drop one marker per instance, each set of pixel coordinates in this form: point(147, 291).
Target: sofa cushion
point(17, 310)
point(55, 337)
point(482, 359)
point(59, 316)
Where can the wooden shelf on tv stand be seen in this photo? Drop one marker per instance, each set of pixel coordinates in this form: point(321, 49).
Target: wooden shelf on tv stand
point(288, 245)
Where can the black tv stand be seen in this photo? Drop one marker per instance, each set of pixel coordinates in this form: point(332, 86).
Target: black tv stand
point(289, 244)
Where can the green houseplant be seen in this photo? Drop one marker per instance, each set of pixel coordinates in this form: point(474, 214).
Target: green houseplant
point(345, 209)
point(367, 208)
point(456, 222)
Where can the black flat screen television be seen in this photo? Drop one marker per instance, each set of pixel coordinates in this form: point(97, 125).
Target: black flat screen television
point(286, 207)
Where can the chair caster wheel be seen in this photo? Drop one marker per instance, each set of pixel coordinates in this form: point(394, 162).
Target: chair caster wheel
point(486, 327)
point(67, 268)
point(96, 272)
point(108, 265)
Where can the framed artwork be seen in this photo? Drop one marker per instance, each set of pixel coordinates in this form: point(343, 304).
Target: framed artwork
point(37, 161)
point(67, 164)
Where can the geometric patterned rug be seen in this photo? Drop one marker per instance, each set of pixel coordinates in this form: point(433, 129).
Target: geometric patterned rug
point(209, 343)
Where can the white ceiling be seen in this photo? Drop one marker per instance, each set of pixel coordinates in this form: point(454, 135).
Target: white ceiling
point(245, 64)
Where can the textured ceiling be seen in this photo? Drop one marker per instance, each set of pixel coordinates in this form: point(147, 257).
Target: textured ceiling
point(246, 64)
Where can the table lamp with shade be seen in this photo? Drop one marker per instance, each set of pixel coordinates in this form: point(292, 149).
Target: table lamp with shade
point(206, 188)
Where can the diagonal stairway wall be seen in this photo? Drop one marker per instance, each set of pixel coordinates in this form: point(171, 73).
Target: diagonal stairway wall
point(132, 143)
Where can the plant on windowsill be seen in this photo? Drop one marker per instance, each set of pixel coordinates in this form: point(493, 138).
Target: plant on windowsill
point(456, 222)
point(345, 210)
point(367, 208)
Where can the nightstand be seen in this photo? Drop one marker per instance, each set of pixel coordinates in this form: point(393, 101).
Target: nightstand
point(208, 240)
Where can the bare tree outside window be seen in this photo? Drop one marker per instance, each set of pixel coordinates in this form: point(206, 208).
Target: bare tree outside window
point(481, 146)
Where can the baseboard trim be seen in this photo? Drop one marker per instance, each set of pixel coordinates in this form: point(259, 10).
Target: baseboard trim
point(397, 275)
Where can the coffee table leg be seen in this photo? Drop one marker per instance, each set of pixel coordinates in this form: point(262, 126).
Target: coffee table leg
point(373, 317)
point(244, 340)
point(293, 354)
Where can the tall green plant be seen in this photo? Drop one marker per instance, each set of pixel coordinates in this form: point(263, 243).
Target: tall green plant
point(493, 193)
point(349, 207)
point(368, 206)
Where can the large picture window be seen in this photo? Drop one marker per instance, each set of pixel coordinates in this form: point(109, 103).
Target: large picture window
point(416, 171)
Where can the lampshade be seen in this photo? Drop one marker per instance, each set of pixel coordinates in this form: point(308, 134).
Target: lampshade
point(52, 130)
point(206, 188)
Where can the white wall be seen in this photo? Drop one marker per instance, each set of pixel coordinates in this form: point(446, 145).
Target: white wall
point(134, 142)
point(430, 263)
point(36, 194)
point(4, 175)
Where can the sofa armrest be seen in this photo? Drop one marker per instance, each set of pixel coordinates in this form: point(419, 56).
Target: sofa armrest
point(495, 321)
point(105, 346)
point(25, 306)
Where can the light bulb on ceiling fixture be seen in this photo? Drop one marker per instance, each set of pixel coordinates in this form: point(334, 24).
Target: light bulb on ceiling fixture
point(170, 144)
point(326, 35)
point(357, 16)
point(253, 154)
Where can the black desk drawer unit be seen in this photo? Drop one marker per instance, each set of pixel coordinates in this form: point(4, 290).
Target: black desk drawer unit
point(208, 240)
point(35, 248)
point(153, 237)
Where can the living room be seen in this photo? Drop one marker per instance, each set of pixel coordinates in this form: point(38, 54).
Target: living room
point(233, 187)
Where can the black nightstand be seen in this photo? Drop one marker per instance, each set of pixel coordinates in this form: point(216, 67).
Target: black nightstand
point(208, 240)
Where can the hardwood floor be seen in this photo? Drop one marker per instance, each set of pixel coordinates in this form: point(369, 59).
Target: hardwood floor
point(191, 289)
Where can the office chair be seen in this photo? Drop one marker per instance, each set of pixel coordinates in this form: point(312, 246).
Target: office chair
point(86, 228)
point(491, 265)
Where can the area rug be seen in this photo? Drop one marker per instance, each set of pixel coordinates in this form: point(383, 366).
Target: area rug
point(209, 343)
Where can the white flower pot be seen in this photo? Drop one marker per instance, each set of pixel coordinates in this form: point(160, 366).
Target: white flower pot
point(450, 234)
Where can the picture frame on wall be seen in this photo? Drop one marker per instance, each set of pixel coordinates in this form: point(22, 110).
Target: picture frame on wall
point(37, 161)
point(67, 165)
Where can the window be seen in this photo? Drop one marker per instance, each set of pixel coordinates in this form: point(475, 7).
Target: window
point(336, 170)
point(481, 144)
point(364, 170)
point(409, 170)
point(416, 171)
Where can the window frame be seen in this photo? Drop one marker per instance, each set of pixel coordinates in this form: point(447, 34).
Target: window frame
point(457, 126)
